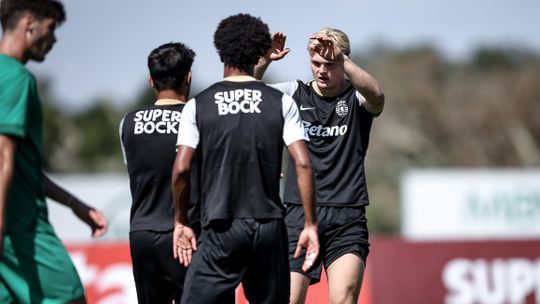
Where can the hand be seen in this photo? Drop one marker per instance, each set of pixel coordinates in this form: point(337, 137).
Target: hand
point(99, 223)
point(278, 50)
point(326, 48)
point(309, 241)
point(92, 217)
point(184, 243)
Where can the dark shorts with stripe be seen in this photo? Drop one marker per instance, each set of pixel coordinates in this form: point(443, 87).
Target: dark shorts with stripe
point(342, 230)
point(159, 278)
point(248, 251)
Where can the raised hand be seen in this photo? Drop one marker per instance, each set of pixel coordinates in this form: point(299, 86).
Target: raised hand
point(326, 48)
point(278, 50)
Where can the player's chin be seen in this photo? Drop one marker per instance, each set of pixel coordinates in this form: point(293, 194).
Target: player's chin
point(323, 82)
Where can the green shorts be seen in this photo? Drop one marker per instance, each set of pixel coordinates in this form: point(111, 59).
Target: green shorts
point(36, 268)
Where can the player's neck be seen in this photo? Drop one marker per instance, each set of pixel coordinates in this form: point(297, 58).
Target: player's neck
point(171, 94)
point(12, 47)
point(230, 71)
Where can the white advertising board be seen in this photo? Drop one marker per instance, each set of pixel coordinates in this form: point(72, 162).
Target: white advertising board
point(470, 204)
point(108, 192)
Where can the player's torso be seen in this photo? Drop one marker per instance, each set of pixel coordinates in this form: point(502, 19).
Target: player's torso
point(149, 138)
point(240, 148)
point(338, 129)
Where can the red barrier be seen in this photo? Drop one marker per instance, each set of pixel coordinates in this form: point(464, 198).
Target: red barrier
point(397, 272)
point(455, 272)
point(105, 269)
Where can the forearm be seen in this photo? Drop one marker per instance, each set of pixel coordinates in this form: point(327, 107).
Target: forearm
point(261, 66)
point(307, 193)
point(364, 83)
point(180, 192)
point(180, 184)
point(57, 193)
point(88, 214)
point(304, 178)
point(7, 155)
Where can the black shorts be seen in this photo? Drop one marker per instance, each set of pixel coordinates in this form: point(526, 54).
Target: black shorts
point(342, 230)
point(159, 278)
point(247, 251)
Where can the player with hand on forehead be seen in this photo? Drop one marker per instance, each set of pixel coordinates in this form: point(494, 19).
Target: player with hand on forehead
point(337, 108)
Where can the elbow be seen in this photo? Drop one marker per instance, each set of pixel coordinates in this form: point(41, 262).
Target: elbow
point(303, 165)
point(379, 96)
point(377, 101)
point(180, 172)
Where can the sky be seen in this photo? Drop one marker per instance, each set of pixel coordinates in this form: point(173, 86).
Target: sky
point(103, 46)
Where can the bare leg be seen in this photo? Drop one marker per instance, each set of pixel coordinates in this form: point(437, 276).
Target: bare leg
point(299, 288)
point(345, 277)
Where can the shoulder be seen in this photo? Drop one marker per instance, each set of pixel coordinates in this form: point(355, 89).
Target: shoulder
point(11, 69)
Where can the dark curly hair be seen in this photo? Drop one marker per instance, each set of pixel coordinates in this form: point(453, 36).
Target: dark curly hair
point(241, 40)
point(11, 11)
point(168, 65)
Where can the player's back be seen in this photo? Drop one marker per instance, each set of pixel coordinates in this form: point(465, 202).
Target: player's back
point(240, 148)
point(148, 138)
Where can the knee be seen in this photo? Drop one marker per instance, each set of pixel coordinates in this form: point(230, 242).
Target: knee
point(342, 299)
point(346, 295)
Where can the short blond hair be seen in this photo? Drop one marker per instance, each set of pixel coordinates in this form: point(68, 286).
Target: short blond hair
point(338, 37)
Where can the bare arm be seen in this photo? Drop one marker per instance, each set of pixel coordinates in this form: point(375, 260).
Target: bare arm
point(366, 84)
point(277, 52)
point(7, 154)
point(308, 237)
point(184, 240)
point(91, 216)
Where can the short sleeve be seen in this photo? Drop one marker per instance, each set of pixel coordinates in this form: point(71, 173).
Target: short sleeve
point(286, 87)
point(188, 132)
point(293, 129)
point(120, 134)
point(16, 90)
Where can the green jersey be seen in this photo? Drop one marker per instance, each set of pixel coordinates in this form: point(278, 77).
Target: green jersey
point(21, 116)
point(35, 267)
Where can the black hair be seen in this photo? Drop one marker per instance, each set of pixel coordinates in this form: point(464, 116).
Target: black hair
point(11, 11)
point(168, 65)
point(241, 40)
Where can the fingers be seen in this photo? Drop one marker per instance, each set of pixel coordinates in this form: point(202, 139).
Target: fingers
point(279, 38)
point(309, 260)
point(180, 256)
point(186, 254)
point(194, 243)
point(298, 250)
point(175, 244)
point(184, 243)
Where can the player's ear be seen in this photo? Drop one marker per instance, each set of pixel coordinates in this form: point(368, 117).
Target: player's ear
point(187, 79)
point(151, 82)
point(28, 22)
